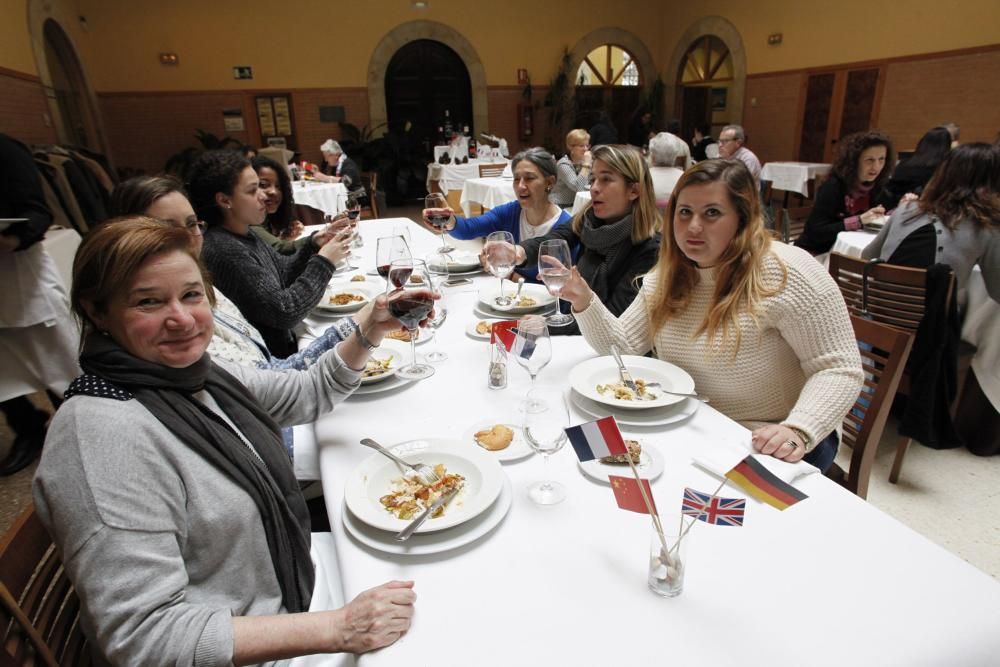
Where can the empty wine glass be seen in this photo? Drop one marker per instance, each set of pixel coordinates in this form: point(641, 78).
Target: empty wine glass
point(388, 249)
point(532, 349)
point(436, 322)
point(411, 297)
point(435, 213)
point(500, 258)
point(554, 261)
point(545, 432)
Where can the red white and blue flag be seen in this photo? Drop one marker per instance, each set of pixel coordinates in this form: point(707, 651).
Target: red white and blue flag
point(597, 439)
point(713, 509)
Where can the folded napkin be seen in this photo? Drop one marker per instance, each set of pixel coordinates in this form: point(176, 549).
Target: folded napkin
point(721, 460)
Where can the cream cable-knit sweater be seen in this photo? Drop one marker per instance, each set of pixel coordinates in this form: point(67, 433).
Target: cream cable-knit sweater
point(798, 366)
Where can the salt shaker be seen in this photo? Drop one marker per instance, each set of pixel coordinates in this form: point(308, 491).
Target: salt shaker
point(497, 377)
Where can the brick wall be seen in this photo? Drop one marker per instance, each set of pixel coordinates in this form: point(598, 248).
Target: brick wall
point(310, 132)
point(23, 109)
point(771, 124)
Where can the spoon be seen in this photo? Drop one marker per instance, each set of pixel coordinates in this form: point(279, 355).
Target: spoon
point(520, 286)
point(424, 471)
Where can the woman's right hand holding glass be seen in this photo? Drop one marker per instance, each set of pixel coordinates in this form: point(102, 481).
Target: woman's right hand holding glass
point(577, 291)
point(337, 248)
point(438, 220)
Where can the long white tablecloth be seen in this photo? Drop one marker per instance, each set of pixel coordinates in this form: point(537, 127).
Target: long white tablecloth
point(330, 198)
point(831, 581)
point(487, 192)
point(453, 176)
point(793, 176)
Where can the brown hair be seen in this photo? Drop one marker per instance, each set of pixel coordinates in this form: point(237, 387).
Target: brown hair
point(629, 163)
point(965, 187)
point(111, 254)
point(739, 282)
point(849, 154)
point(134, 196)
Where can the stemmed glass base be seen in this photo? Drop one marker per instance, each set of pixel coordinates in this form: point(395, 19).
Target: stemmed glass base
point(547, 493)
point(415, 371)
point(558, 319)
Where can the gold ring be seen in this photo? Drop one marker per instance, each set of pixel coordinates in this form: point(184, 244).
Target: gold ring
point(793, 444)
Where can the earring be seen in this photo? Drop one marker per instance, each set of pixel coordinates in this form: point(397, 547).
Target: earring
point(548, 189)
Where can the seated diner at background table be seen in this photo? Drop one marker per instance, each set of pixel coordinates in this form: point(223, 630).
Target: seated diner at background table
point(731, 147)
point(234, 338)
point(703, 146)
point(664, 151)
point(614, 237)
point(338, 168)
point(573, 169)
point(275, 292)
point(280, 229)
point(759, 325)
point(530, 216)
point(956, 221)
point(912, 174)
point(847, 200)
point(193, 543)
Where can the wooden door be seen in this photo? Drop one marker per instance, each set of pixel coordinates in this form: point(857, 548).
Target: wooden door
point(694, 109)
point(836, 103)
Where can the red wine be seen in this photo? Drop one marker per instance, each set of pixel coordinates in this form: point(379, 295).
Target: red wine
point(411, 307)
point(399, 275)
point(383, 270)
point(439, 221)
point(353, 215)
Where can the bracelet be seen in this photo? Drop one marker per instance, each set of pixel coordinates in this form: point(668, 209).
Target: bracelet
point(365, 343)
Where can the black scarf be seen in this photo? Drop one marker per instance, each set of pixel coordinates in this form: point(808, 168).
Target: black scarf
point(268, 480)
point(606, 246)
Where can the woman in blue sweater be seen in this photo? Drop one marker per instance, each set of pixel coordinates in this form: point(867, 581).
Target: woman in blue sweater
point(532, 215)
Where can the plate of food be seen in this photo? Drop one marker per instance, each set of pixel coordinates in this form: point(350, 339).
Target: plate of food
point(423, 334)
point(598, 380)
point(670, 414)
point(458, 262)
point(386, 496)
point(480, 328)
point(504, 441)
point(533, 297)
point(384, 362)
point(648, 463)
point(346, 297)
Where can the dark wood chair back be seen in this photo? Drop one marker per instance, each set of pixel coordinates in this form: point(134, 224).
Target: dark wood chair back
point(309, 215)
point(369, 179)
point(39, 610)
point(491, 170)
point(789, 222)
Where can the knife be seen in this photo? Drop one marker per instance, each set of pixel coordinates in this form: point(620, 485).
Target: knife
point(405, 534)
point(623, 372)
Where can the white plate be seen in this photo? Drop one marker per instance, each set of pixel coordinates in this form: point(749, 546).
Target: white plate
point(650, 467)
point(518, 448)
point(488, 313)
point(487, 297)
point(458, 262)
point(363, 290)
point(376, 281)
point(370, 481)
point(389, 348)
point(395, 382)
point(426, 333)
point(659, 417)
point(470, 328)
point(585, 377)
point(432, 543)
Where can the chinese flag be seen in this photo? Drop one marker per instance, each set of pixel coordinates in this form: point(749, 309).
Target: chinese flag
point(629, 496)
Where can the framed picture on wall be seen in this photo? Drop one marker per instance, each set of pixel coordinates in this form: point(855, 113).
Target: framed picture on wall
point(274, 116)
point(719, 99)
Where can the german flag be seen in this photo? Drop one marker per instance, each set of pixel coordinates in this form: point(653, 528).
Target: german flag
point(763, 485)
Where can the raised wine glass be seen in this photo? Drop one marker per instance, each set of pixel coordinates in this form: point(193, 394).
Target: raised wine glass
point(353, 207)
point(532, 349)
point(554, 261)
point(545, 432)
point(411, 298)
point(500, 258)
point(388, 249)
point(435, 203)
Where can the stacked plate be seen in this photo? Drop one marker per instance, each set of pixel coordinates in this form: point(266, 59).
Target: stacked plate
point(345, 297)
point(534, 299)
point(475, 511)
point(458, 263)
point(661, 409)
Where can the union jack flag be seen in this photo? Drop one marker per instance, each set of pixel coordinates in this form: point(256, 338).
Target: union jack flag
point(712, 509)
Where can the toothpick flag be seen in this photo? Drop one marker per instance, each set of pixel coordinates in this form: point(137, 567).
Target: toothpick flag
point(629, 495)
point(713, 509)
point(504, 332)
point(597, 439)
point(751, 476)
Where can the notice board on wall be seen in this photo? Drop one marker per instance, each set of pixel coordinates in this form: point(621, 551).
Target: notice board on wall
point(274, 116)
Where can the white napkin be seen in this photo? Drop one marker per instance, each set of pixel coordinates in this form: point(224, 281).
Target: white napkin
point(721, 460)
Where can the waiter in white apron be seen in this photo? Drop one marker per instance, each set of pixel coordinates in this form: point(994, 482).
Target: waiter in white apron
point(39, 339)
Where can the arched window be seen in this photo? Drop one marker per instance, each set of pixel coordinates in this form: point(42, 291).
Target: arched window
point(609, 65)
point(707, 61)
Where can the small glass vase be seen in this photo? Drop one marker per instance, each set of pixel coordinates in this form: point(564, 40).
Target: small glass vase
point(667, 568)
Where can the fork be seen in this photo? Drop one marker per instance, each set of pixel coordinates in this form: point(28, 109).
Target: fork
point(424, 472)
point(657, 385)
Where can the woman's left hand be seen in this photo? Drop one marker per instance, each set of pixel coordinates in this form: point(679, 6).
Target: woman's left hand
point(779, 441)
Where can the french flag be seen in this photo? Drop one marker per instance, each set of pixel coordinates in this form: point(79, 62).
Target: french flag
point(597, 439)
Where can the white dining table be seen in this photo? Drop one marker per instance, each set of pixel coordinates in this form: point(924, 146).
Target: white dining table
point(487, 192)
point(453, 176)
point(331, 198)
point(830, 581)
point(580, 201)
point(793, 176)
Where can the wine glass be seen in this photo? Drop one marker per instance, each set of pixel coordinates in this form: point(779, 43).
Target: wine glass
point(388, 249)
point(348, 265)
point(439, 219)
point(436, 322)
point(411, 297)
point(353, 207)
point(500, 258)
point(554, 260)
point(545, 431)
point(532, 349)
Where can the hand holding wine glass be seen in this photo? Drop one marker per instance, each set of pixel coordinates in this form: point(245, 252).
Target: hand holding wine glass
point(554, 261)
point(500, 253)
point(439, 218)
point(411, 294)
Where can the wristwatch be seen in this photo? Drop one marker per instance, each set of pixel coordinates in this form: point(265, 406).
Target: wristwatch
point(365, 343)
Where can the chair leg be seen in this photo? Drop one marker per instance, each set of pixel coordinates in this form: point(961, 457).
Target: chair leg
point(897, 464)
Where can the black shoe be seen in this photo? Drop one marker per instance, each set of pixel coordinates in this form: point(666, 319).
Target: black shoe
point(26, 449)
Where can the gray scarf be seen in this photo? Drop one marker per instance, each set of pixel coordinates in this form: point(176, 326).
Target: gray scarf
point(606, 247)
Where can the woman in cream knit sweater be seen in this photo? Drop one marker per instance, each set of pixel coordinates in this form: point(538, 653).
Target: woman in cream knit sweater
point(759, 325)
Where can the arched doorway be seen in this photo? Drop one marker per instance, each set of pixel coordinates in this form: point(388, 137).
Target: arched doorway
point(703, 85)
point(76, 120)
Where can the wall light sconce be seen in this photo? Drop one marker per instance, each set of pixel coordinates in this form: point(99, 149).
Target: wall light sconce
point(774, 39)
point(169, 59)
point(420, 4)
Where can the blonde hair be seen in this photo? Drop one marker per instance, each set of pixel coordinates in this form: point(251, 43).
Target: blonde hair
point(628, 162)
point(577, 136)
point(739, 281)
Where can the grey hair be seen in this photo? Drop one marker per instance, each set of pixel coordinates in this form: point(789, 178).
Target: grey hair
point(539, 157)
point(738, 133)
point(664, 149)
point(331, 146)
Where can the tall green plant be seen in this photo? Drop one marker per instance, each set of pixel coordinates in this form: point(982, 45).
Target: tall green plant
point(559, 103)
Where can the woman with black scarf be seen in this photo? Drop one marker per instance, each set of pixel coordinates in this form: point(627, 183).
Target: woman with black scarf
point(614, 238)
point(165, 485)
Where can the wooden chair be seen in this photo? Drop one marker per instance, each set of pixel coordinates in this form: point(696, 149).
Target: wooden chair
point(370, 180)
point(39, 610)
point(884, 351)
point(789, 222)
point(491, 170)
point(309, 215)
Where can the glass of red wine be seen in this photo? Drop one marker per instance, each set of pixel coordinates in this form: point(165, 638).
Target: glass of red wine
point(389, 249)
point(353, 207)
point(434, 213)
point(411, 298)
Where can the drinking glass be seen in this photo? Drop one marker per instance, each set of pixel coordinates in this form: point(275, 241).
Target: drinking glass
point(666, 567)
point(387, 250)
point(440, 219)
point(436, 322)
point(500, 258)
point(545, 432)
point(411, 297)
point(353, 208)
point(532, 349)
point(554, 261)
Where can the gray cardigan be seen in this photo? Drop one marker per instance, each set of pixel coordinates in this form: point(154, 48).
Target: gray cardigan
point(162, 548)
point(960, 248)
point(568, 183)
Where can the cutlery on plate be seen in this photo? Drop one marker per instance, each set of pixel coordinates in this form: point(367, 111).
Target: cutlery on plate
point(405, 534)
point(623, 372)
point(424, 471)
point(657, 385)
point(520, 286)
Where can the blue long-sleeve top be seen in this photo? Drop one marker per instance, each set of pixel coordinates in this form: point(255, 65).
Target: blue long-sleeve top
point(504, 218)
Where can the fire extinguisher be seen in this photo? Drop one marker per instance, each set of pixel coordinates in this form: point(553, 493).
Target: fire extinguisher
point(526, 120)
